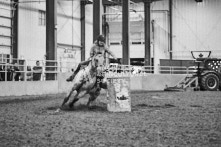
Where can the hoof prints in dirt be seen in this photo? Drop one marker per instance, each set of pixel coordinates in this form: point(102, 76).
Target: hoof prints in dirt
point(195, 106)
point(79, 108)
point(145, 106)
point(155, 106)
point(52, 108)
point(47, 111)
point(86, 108)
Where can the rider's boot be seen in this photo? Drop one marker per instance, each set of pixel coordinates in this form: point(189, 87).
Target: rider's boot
point(69, 79)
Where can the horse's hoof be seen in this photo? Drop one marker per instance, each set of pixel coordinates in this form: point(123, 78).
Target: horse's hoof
point(71, 105)
point(58, 110)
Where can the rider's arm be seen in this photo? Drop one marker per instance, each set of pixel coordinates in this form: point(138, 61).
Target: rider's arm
point(92, 51)
point(110, 52)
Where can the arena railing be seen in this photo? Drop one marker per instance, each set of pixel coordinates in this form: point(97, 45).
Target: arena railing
point(8, 71)
point(145, 70)
point(50, 69)
point(177, 70)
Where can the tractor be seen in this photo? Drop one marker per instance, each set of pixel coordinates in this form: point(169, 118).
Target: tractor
point(208, 73)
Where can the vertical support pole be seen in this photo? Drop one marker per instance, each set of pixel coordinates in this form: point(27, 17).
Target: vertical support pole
point(51, 37)
point(105, 30)
point(104, 23)
point(171, 28)
point(14, 24)
point(126, 32)
point(96, 19)
point(82, 30)
point(147, 12)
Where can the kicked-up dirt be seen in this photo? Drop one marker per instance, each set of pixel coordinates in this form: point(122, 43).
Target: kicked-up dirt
point(157, 119)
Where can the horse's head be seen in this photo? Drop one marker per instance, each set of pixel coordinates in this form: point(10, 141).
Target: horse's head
point(98, 62)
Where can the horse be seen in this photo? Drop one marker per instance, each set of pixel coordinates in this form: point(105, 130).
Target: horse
point(87, 81)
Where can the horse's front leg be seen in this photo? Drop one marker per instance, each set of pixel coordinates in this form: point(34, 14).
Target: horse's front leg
point(67, 98)
point(79, 94)
point(75, 99)
point(104, 85)
point(93, 96)
point(64, 101)
point(76, 88)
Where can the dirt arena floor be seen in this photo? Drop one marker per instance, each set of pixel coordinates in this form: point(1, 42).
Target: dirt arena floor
point(157, 119)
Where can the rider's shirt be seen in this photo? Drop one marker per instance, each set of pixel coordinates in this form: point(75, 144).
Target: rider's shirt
point(100, 50)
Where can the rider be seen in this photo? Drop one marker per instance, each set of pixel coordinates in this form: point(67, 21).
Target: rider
point(99, 47)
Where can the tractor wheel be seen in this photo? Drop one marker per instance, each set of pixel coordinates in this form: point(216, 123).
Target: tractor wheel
point(210, 82)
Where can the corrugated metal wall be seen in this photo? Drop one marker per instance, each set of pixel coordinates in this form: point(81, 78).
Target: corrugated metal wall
point(159, 33)
point(68, 31)
point(5, 27)
point(31, 34)
point(196, 27)
point(88, 29)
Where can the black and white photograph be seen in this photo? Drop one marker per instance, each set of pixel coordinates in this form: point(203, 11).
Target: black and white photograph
point(110, 73)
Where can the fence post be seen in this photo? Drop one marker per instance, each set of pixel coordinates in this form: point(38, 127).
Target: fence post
point(25, 70)
point(6, 69)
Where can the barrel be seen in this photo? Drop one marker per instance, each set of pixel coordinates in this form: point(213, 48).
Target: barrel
point(118, 94)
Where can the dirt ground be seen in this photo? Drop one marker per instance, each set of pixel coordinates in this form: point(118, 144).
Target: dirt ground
point(157, 119)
